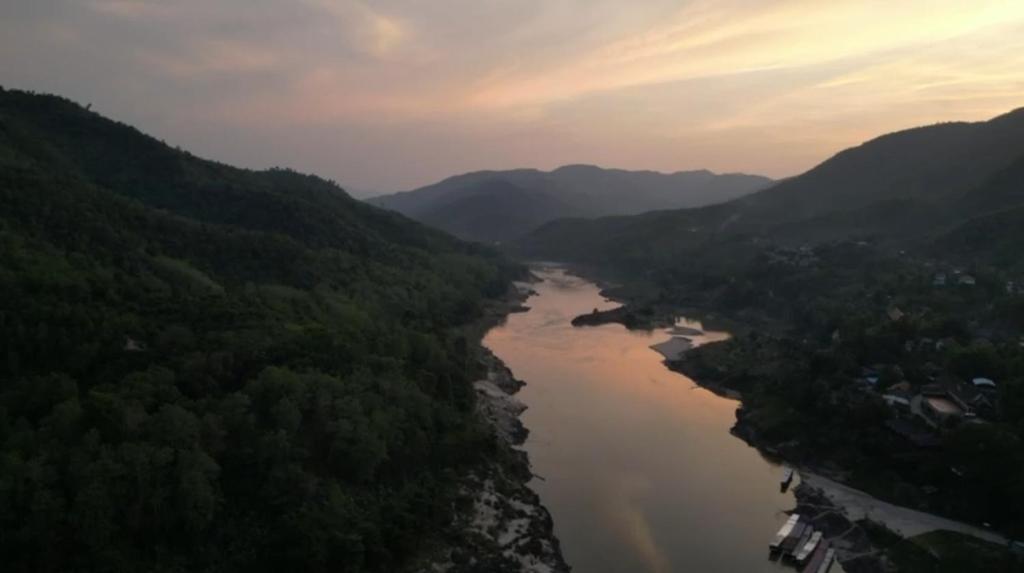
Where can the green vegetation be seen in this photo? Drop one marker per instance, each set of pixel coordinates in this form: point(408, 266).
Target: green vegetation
point(208, 368)
point(942, 552)
point(806, 388)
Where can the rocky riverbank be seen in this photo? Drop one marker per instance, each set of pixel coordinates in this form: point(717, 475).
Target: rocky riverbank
point(500, 526)
point(854, 548)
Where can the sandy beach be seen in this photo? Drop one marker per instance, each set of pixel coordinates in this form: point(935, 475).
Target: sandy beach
point(674, 347)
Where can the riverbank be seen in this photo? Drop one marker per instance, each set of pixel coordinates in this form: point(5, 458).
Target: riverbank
point(850, 517)
point(500, 525)
point(616, 436)
point(903, 521)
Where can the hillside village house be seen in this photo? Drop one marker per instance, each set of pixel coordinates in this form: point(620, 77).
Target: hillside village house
point(938, 409)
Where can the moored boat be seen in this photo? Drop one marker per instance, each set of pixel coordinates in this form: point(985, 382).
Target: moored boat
point(804, 538)
point(787, 478)
point(817, 558)
point(793, 538)
point(826, 564)
point(784, 532)
point(807, 549)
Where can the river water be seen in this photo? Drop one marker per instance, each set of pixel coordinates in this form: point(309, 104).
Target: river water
point(636, 463)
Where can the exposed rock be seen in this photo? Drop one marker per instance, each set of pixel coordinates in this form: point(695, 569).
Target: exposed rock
point(504, 528)
point(854, 549)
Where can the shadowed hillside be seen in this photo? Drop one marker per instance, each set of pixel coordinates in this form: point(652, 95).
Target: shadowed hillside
point(207, 368)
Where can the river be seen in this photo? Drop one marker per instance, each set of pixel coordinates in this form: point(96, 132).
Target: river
point(636, 462)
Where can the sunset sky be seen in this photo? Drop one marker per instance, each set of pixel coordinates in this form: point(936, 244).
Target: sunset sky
point(388, 95)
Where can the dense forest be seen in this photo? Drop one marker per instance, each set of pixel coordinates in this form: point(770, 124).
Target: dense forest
point(207, 368)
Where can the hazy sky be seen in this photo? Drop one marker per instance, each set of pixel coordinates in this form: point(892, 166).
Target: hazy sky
point(387, 95)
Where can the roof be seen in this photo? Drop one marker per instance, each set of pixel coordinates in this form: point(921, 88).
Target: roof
point(917, 435)
point(900, 387)
point(944, 405)
point(898, 393)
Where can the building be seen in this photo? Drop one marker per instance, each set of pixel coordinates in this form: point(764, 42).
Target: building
point(132, 345)
point(938, 407)
point(895, 314)
point(982, 383)
point(898, 397)
point(942, 411)
point(945, 404)
point(914, 433)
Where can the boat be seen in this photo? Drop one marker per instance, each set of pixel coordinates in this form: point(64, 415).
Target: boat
point(817, 558)
point(787, 478)
point(804, 538)
point(804, 552)
point(793, 538)
point(830, 556)
point(784, 531)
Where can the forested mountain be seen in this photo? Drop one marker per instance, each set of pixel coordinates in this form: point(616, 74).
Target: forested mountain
point(933, 163)
point(207, 368)
point(903, 187)
point(501, 205)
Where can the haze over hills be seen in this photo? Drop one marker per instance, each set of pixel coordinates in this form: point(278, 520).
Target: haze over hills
point(901, 186)
point(493, 206)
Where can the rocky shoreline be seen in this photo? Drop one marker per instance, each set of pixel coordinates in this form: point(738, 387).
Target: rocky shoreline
point(855, 550)
point(501, 526)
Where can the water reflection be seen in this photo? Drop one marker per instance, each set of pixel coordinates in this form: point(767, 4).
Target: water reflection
point(638, 467)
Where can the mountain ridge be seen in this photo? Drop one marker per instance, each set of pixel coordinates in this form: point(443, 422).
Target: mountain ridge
point(577, 190)
point(929, 172)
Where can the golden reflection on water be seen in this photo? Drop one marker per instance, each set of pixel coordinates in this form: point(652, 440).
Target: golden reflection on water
point(636, 462)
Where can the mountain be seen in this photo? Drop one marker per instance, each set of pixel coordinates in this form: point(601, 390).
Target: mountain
point(994, 239)
point(898, 187)
point(1004, 188)
point(496, 206)
point(931, 164)
point(207, 368)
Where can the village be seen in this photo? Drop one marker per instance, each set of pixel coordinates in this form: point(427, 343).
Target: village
point(898, 374)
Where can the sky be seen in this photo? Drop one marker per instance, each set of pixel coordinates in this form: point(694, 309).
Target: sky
point(387, 95)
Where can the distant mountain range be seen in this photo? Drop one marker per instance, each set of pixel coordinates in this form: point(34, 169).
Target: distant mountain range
point(905, 187)
point(496, 206)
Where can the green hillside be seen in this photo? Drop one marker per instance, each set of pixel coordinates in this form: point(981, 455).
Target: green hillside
point(207, 368)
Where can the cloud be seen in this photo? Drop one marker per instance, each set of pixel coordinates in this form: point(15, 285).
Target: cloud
point(214, 57)
point(707, 40)
point(413, 91)
point(370, 31)
point(131, 9)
